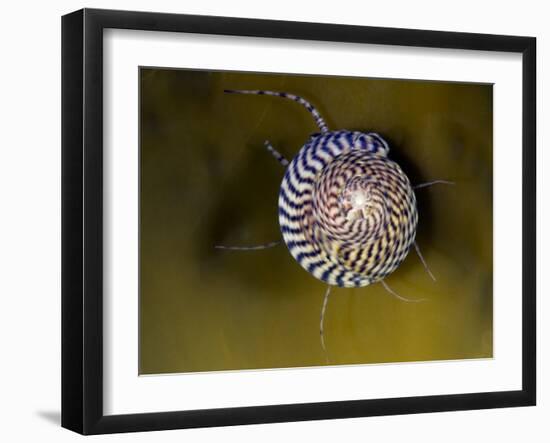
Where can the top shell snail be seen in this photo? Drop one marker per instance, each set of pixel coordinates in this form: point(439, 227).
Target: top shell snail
point(347, 212)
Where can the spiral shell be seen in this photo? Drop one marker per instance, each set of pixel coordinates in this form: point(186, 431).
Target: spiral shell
point(347, 213)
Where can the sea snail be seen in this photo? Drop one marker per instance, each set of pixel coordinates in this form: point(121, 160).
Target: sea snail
point(347, 213)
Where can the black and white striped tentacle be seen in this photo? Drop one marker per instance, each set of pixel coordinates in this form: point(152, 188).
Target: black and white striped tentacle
point(313, 111)
point(278, 156)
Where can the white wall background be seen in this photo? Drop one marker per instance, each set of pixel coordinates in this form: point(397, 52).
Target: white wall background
point(30, 218)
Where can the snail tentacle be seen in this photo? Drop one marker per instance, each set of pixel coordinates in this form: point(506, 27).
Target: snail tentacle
point(249, 248)
point(434, 182)
point(278, 156)
point(312, 110)
point(395, 294)
point(423, 261)
point(322, 321)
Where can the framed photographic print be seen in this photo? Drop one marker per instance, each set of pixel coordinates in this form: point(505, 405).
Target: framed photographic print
point(269, 221)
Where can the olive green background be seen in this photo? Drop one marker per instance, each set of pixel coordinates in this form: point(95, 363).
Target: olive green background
point(206, 180)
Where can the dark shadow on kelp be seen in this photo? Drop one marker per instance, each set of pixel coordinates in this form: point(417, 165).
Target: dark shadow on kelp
point(247, 216)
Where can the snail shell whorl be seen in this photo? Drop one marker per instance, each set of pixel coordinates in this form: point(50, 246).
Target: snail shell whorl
point(347, 213)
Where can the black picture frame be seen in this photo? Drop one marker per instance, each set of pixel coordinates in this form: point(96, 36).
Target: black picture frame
point(82, 220)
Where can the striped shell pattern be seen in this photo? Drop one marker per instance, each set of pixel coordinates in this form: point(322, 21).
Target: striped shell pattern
point(347, 212)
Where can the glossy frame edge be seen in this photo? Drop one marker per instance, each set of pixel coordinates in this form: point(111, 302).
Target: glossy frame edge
point(82, 220)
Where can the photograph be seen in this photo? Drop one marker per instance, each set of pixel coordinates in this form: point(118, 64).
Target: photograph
point(272, 222)
point(293, 221)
